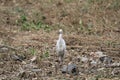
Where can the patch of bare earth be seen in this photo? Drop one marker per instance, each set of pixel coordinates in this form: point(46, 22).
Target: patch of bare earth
point(88, 27)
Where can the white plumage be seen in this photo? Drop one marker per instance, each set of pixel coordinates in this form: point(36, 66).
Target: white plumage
point(60, 46)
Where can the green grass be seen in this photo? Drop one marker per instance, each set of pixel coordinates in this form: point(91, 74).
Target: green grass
point(45, 54)
point(115, 5)
point(35, 26)
point(33, 51)
point(85, 29)
point(28, 25)
point(95, 77)
point(68, 1)
point(95, 1)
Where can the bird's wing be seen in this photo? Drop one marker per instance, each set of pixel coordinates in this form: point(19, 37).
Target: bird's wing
point(60, 45)
point(64, 44)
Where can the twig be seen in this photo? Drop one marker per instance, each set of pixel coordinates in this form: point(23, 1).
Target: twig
point(114, 65)
point(9, 47)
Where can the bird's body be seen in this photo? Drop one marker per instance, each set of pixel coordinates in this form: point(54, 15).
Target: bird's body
point(60, 46)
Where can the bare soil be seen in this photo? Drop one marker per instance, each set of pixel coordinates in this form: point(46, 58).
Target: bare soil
point(88, 25)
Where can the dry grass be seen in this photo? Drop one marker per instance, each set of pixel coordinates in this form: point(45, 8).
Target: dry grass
point(89, 25)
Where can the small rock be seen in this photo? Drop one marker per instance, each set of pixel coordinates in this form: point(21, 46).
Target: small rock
point(23, 62)
point(21, 73)
point(35, 78)
point(36, 70)
point(93, 62)
point(70, 69)
point(100, 69)
point(106, 59)
point(34, 58)
point(114, 65)
point(99, 53)
point(17, 57)
point(84, 59)
point(49, 73)
point(3, 49)
point(102, 59)
point(64, 69)
point(115, 71)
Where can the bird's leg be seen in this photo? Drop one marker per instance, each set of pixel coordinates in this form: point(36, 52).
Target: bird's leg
point(61, 60)
point(56, 68)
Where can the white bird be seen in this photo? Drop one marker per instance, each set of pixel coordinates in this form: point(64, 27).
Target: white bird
point(60, 46)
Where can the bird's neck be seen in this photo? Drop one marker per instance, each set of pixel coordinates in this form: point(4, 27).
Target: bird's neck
point(60, 36)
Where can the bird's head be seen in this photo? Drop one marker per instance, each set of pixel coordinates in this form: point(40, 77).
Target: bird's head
point(60, 31)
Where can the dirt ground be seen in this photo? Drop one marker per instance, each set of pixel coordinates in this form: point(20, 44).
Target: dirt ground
point(30, 28)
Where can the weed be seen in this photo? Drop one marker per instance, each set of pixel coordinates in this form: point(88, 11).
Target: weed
point(35, 25)
point(89, 28)
point(85, 29)
point(33, 51)
point(23, 18)
point(29, 25)
point(19, 10)
point(85, 8)
point(111, 44)
point(96, 77)
point(46, 54)
point(68, 1)
point(115, 5)
point(25, 26)
point(81, 25)
point(47, 28)
point(95, 1)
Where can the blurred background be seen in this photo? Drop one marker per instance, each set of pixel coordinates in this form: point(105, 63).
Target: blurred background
point(31, 27)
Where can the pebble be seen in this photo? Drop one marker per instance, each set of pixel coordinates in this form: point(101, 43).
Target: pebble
point(70, 69)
